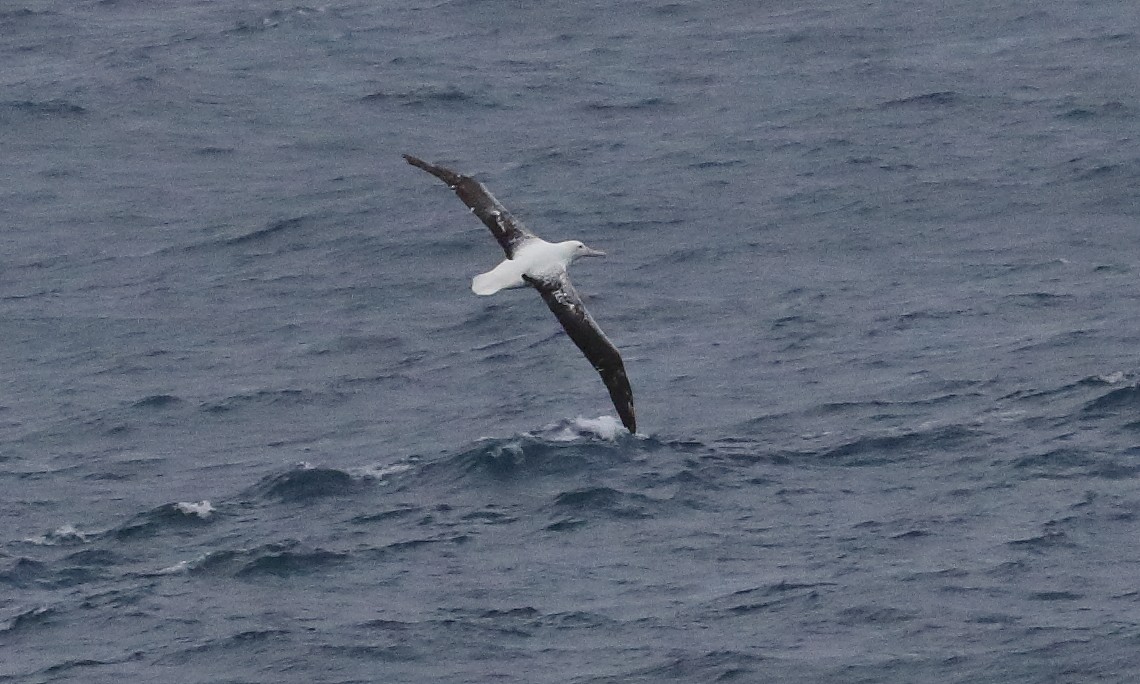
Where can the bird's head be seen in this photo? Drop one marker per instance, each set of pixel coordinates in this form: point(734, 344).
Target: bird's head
point(576, 248)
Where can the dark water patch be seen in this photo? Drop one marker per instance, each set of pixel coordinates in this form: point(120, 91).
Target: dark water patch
point(277, 18)
point(1056, 463)
point(1043, 542)
point(877, 450)
point(488, 517)
point(380, 653)
point(350, 344)
point(575, 619)
point(912, 534)
point(566, 524)
point(388, 625)
point(1068, 463)
point(1103, 171)
point(78, 664)
point(1113, 469)
point(159, 401)
point(94, 557)
point(271, 229)
point(243, 643)
point(30, 620)
point(628, 105)
point(710, 666)
point(166, 518)
point(944, 574)
point(430, 96)
point(384, 516)
point(270, 397)
point(1123, 401)
point(874, 615)
point(258, 635)
point(716, 163)
point(61, 574)
point(1010, 570)
point(511, 622)
point(23, 572)
point(1037, 300)
point(994, 619)
point(1107, 110)
point(1068, 389)
point(279, 559)
point(41, 108)
point(307, 483)
point(768, 597)
point(214, 151)
point(1055, 596)
point(942, 98)
point(24, 13)
point(910, 319)
point(411, 544)
point(605, 502)
point(522, 612)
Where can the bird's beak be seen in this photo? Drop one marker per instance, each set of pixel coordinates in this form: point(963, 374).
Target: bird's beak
point(593, 252)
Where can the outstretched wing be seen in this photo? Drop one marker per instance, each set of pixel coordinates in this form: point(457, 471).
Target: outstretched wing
point(509, 231)
point(560, 295)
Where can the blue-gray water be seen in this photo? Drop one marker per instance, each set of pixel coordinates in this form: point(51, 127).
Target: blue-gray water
point(873, 270)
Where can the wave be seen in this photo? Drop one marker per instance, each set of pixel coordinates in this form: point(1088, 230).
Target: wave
point(31, 619)
point(882, 449)
point(710, 666)
point(172, 516)
point(1112, 109)
point(269, 230)
point(606, 502)
point(940, 98)
point(565, 449)
point(305, 483)
point(283, 558)
point(270, 397)
point(1123, 399)
point(42, 108)
point(24, 572)
point(619, 105)
point(158, 401)
point(433, 95)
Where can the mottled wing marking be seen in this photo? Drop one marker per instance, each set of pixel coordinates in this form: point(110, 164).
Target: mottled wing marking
point(508, 231)
point(563, 300)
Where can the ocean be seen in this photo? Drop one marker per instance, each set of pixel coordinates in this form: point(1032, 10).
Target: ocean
point(871, 268)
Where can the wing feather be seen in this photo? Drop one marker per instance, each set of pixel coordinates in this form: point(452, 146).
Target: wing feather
point(508, 231)
point(559, 294)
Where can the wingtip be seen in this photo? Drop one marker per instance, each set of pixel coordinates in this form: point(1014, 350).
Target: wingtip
point(446, 175)
point(629, 418)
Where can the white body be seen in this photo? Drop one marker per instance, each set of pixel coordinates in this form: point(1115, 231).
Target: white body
point(536, 258)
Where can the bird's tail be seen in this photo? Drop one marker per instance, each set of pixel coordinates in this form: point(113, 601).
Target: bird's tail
point(500, 277)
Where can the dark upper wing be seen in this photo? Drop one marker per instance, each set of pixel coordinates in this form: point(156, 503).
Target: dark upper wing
point(508, 230)
point(563, 300)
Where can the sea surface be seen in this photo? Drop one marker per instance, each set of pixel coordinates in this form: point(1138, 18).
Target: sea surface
point(873, 269)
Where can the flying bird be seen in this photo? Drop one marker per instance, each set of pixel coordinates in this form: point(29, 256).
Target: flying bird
point(542, 265)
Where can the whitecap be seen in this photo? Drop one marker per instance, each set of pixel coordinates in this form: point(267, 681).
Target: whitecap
point(603, 427)
point(202, 509)
point(381, 472)
point(1112, 378)
point(177, 568)
point(61, 536)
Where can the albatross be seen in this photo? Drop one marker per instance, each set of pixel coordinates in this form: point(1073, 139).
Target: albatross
point(542, 265)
